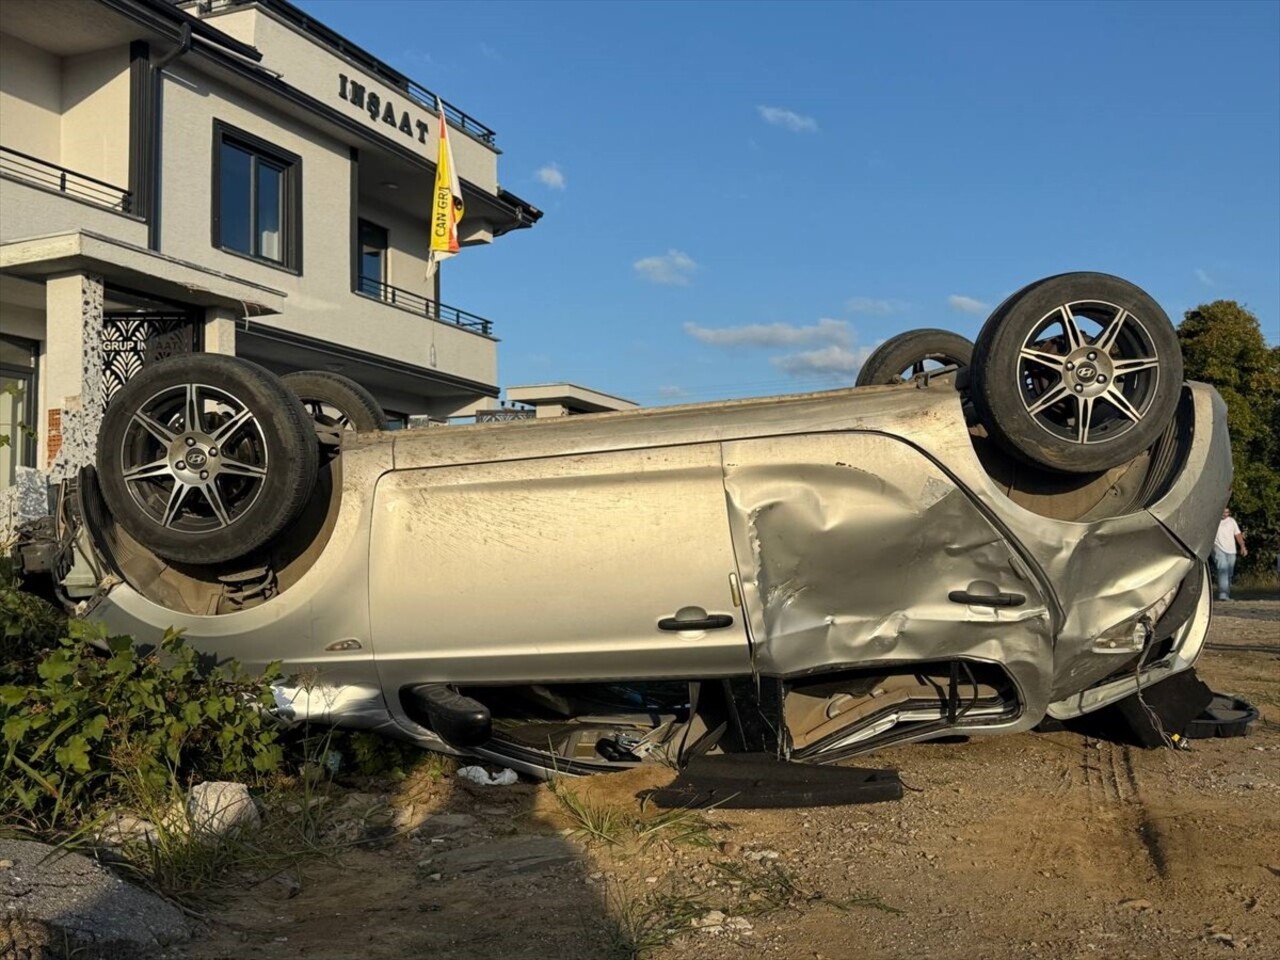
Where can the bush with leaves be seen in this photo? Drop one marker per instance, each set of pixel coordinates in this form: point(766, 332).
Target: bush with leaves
point(27, 623)
point(95, 721)
point(373, 755)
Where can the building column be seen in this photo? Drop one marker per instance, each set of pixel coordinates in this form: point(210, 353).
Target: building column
point(72, 373)
point(220, 331)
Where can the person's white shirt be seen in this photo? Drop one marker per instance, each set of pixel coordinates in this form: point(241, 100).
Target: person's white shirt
point(1226, 537)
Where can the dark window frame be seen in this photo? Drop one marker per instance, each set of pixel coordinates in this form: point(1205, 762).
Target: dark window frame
point(383, 280)
point(25, 447)
point(290, 165)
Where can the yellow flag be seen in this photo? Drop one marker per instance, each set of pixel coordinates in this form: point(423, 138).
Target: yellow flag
point(446, 199)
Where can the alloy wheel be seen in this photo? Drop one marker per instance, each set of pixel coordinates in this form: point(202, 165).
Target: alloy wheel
point(194, 458)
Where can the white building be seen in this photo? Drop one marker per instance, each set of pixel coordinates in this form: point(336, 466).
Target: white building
point(229, 176)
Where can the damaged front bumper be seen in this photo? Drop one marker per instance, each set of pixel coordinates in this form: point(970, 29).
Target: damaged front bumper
point(1184, 650)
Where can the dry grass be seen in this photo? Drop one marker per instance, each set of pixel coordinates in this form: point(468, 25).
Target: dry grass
point(188, 868)
point(770, 887)
point(591, 820)
point(1256, 585)
point(601, 820)
point(647, 923)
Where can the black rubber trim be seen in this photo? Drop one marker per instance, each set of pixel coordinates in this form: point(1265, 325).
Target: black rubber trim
point(715, 621)
point(1182, 607)
point(985, 600)
point(96, 518)
point(459, 720)
point(751, 781)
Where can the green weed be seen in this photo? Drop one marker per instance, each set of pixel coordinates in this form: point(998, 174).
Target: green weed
point(770, 887)
point(593, 821)
point(614, 823)
point(680, 825)
point(641, 925)
point(93, 721)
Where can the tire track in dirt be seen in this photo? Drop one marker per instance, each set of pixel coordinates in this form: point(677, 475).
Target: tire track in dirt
point(1243, 648)
point(1090, 835)
point(1142, 826)
point(1104, 824)
point(1145, 825)
point(1165, 826)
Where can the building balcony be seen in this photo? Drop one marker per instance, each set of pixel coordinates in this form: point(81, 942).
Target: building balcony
point(16, 165)
point(415, 303)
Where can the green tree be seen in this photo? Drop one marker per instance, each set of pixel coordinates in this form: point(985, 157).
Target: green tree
point(1222, 344)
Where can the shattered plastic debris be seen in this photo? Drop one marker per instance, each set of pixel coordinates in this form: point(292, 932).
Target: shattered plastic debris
point(486, 779)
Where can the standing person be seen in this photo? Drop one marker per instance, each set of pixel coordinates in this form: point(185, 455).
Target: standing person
point(1225, 543)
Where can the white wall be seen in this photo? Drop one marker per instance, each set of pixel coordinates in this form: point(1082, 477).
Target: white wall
point(320, 302)
point(71, 111)
point(30, 99)
point(95, 115)
point(27, 211)
point(314, 68)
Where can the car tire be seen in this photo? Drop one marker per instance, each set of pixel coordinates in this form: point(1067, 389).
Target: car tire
point(904, 356)
point(256, 448)
point(1079, 372)
point(334, 400)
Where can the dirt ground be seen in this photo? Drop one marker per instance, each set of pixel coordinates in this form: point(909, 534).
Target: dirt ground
point(1053, 846)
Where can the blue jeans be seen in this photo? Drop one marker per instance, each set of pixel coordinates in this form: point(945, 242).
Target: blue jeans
point(1224, 564)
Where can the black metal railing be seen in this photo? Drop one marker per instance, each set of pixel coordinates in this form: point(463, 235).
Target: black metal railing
point(501, 415)
point(335, 41)
point(463, 121)
point(416, 303)
point(23, 166)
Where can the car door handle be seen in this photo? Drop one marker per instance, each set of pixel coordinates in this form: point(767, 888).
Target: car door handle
point(987, 599)
point(713, 621)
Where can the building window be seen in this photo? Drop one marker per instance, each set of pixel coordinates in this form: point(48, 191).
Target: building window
point(373, 258)
point(17, 406)
point(257, 198)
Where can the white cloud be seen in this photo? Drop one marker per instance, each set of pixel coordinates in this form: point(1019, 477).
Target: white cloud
point(551, 176)
point(671, 392)
point(834, 362)
point(673, 268)
point(835, 332)
point(833, 355)
point(967, 304)
point(1204, 278)
point(874, 306)
point(788, 119)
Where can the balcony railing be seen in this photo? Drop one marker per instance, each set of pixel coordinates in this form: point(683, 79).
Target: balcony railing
point(416, 303)
point(23, 166)
point(463, 121)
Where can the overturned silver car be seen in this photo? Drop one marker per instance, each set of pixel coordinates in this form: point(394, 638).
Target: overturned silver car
point(1006, 536)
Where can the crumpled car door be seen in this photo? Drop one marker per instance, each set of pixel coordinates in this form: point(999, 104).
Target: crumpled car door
point(856, 549)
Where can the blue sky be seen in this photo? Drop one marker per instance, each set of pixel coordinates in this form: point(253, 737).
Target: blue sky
point(742, 199)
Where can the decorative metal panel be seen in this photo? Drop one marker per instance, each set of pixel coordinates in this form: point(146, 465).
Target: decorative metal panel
point(132, 340)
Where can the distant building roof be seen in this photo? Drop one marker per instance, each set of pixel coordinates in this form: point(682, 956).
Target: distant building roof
point(573, 398)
